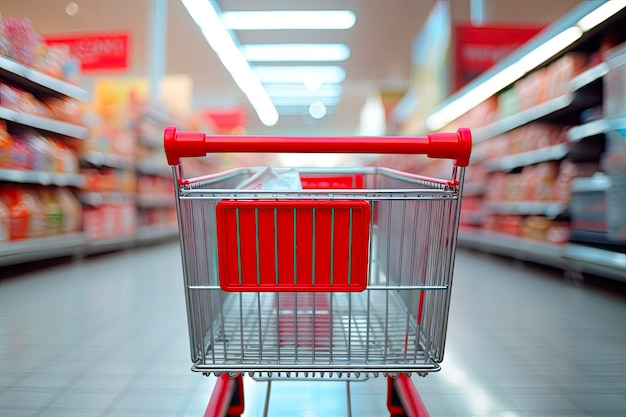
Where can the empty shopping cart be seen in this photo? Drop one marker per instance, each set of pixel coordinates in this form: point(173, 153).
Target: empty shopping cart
point(347, 278)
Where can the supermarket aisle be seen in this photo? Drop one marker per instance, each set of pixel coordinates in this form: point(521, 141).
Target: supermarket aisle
point(108, 337)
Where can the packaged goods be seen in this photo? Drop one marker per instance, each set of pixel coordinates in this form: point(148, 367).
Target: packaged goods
point(6, 146)
point(53, 211)
point(19, 212)
point(37, 221)
point(72, 210)
point(21, 101)
point(5, 221)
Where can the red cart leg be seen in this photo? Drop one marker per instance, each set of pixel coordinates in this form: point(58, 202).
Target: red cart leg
point(227, 398)
point(403, 399)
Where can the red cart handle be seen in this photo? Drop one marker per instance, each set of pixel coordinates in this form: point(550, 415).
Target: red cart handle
point(457, 146)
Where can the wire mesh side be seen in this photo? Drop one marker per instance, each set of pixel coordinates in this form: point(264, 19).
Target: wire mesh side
point(397, 323)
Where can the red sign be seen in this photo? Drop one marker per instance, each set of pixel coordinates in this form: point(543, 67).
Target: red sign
point(107, 51)
point(477, 48)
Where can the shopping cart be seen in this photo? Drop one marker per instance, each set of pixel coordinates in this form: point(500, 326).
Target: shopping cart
point(347, 278)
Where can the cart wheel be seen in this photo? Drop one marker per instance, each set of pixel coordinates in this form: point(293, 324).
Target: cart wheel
point(403, 399)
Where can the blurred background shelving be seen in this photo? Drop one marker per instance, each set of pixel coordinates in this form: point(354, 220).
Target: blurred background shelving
point(546, 180)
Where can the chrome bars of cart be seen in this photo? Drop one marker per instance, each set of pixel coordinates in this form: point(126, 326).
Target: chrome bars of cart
point(394, 323)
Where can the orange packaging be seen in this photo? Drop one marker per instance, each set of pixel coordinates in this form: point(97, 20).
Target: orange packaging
point(19, 213)
point(5, 222)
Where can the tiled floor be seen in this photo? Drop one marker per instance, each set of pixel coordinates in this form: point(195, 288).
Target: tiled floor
point(108, 337)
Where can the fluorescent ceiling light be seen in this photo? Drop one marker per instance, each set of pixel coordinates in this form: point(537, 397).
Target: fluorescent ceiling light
point(503, 79)
point(295, 52)
point(218, 37)
point(475, 96)
point(303, 101)
point(601, 14)
point(301, 110)
point(317, 110)
point(313, 82)
point(550, 48)
point(295, 19)
point(298, 74)
point(299, 90)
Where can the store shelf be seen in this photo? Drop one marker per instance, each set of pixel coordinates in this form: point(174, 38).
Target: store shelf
point(595, 128)
point(104, 159)
point(157, 201)
point(110, 244)
point(42, 178)
point(589, 76)
point(513, 246)
point(523, 117)
point(29, 250)
point(37, 82)
point(569, 257)
point(44, 123)
point(157, 168)
point(596, 261)
point(156, 233)
point(507, 163)
point(93, 198)
point(587, 130)
point(474, 189)
point(548, 209)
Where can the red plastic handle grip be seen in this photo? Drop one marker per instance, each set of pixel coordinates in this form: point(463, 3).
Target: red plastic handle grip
point(456, 146)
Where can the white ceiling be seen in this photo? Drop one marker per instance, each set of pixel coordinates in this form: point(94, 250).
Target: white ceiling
point(380, 44)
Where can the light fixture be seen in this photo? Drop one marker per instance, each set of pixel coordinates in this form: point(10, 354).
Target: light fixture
point(313, 82)
point(601, 14)
point(317, 110)
point(294, 19)
point(299, 74)
point(301, 110)
point(550, 48)
point(303, 101)
point(473, 97)
point(295, 52)
point(71, 8)
point(206, 17)
point(300, 90)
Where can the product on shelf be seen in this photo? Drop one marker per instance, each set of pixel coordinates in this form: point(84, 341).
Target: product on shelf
point(109, 180)
point(21, 101)
point(562, 71)
point(72, 210)
point(42, 158)
point(65, 109)
point(19, 212)
point(53, 210)
point(5, 221)
point(20, 42)
point(21, 155)
point(110, 220)
point(6, 145)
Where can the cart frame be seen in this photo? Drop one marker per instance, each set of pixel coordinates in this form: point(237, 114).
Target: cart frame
point(348, 278)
